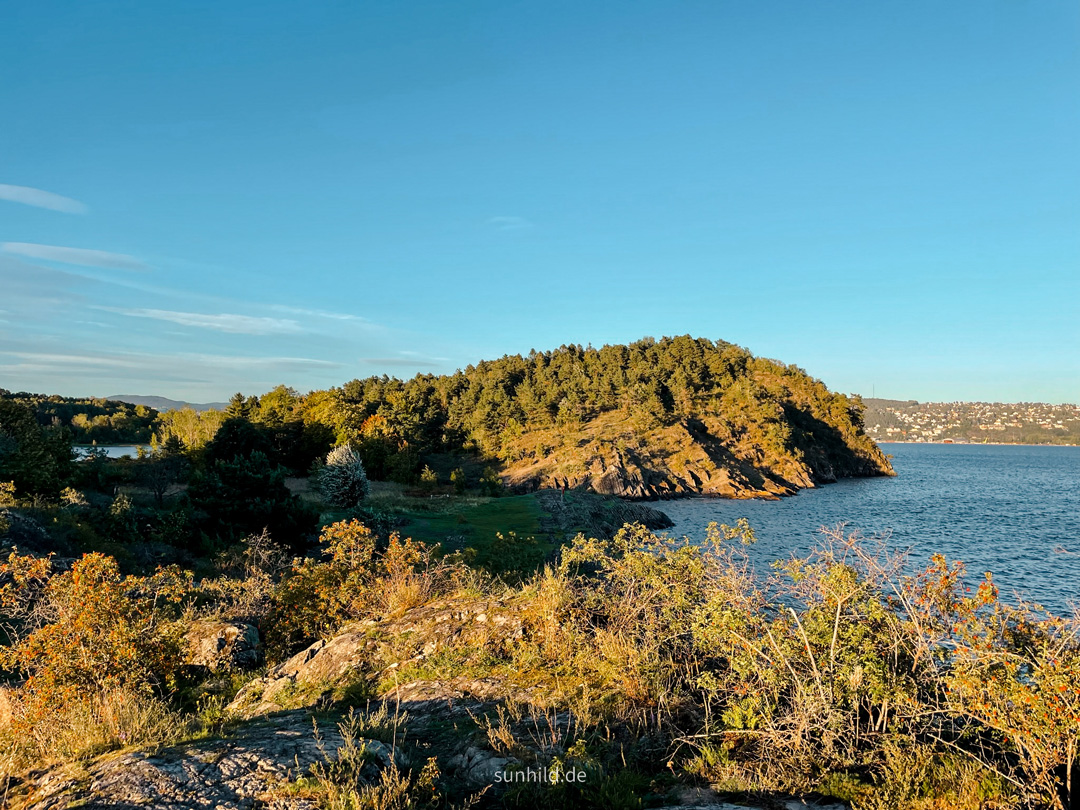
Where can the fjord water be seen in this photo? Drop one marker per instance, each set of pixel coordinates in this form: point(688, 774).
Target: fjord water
point(1012, 510)
point(111, 450)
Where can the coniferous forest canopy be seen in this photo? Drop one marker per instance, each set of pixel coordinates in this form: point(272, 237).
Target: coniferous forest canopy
point(91, 420)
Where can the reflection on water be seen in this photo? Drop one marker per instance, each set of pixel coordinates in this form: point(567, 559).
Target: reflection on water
point(1007, 509)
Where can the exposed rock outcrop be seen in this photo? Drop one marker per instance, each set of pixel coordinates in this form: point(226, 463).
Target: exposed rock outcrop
point(223, 646)
point(225, 774)
point(20, 531)
point(356, 652)
point(691, 457)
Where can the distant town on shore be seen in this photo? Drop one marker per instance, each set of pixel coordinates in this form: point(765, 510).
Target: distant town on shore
point(972, 422)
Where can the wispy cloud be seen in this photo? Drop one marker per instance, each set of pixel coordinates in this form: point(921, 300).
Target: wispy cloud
point(509, 223)
point(41, 199)
point(275, 363)
point(143, 367)
point(79, 256)
point(54, 360)
point(27, 287)
point(317, 313)
point(223, 322)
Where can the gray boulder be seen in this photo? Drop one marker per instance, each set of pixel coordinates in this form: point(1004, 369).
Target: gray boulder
point(223, 646)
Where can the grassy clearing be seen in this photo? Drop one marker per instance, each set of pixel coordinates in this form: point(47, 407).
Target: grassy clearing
point(500, 533)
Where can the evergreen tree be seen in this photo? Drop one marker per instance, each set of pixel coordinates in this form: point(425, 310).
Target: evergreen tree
point(39, 460)
point(237, 407)
point(246, 494)
point(343, 481)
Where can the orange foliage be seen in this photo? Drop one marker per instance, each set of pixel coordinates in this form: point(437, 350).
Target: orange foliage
point(89, 629)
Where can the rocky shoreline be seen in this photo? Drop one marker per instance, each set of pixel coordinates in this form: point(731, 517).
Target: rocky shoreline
point(692, 457)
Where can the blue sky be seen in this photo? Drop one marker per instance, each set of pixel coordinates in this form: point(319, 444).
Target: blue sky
point(198, 198)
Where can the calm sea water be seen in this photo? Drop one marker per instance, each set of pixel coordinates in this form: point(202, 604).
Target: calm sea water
point(1007, 509)
point(112, 450)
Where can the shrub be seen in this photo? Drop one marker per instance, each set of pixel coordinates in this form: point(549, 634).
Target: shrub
point(251, 571)
point(73, 499)
point(490, 482)
point(317, 597)
point(343, 481)
point(457, 478)
point(835, 665)
point(88, 639)
point(428, 478)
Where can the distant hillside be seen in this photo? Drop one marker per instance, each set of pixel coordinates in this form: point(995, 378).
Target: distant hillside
point(165, 404)
point(972, 422)
point(661, 418)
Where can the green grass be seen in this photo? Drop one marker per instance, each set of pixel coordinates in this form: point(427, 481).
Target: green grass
point(476, 523)
point(505, 535)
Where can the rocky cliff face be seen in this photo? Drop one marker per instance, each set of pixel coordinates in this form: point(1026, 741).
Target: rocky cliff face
point(692, 457)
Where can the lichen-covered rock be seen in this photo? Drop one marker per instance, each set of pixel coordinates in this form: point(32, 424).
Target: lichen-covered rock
point(240, 773)
point(223, 646)
point(479, 766)
point(358, 650)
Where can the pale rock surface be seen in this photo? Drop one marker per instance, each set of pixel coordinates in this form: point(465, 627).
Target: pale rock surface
point(344, 659)
point(225, 774)
point(223, 646)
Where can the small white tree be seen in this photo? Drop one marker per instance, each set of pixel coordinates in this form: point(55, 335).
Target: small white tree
point(343, 481)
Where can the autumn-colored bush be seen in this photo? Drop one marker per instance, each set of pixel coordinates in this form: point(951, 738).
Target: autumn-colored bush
point(86, 643)
point(90, 627)
point(354, 580)
point(839, 668)
point(1014, 670)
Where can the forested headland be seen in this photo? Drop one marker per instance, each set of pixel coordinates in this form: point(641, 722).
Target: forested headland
point(651, 419)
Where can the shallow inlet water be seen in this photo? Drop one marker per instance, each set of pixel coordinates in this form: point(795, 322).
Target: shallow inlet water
point(1008, 509)
point(111, 450)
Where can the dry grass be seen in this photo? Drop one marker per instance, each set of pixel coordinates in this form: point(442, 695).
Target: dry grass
point(84, 728)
